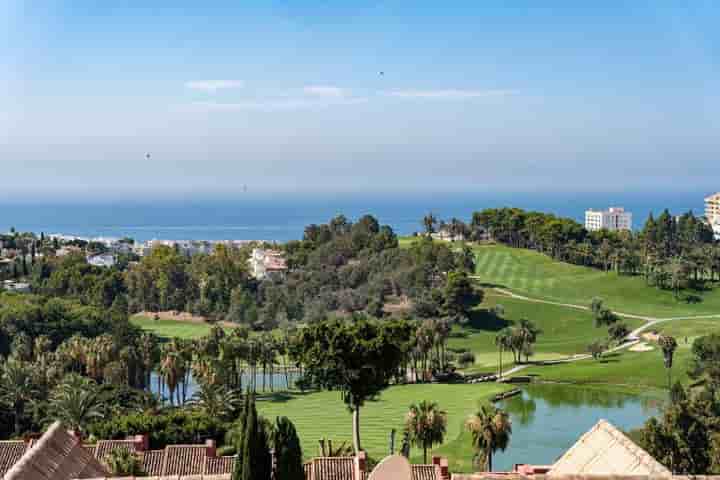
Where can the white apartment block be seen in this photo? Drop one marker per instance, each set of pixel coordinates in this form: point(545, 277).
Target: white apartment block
point(615, 218)
point(712, 213)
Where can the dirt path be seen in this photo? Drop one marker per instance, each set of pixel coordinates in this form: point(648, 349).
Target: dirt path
point(632, 338)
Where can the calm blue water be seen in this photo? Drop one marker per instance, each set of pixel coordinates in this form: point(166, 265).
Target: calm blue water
point(283, 217)
point(548, 419)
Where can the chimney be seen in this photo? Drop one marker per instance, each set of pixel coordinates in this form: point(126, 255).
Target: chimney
point(360, 465)
point(444, 469)
point(141, 441)
point(210, 448)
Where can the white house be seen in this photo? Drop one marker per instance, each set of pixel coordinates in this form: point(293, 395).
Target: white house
point(712, 213)
point(101, 260)
point(614, 219)
point(264, 263)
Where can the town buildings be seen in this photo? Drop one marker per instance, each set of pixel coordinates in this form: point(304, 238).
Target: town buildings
point(613, 219)
point(712, 213)
point(102, 260)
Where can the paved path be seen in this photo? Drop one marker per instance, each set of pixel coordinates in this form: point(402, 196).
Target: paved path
point(632, 337)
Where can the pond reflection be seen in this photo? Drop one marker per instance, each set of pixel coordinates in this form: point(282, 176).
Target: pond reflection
point(549, 418)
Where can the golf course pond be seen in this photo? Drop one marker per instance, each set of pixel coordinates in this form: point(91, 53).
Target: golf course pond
point(547, 419)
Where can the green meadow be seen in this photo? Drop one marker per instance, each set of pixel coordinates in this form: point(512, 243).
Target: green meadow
point(319, 415)
point(172, 328)
point(535, 275)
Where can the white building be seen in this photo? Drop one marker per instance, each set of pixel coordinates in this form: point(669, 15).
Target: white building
point(13, 286)
point(712, 213)
point(102, 260)
point(265, 263)
point(615, 218)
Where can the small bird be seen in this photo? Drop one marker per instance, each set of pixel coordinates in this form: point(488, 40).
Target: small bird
point(147, 156)
point(382, 74)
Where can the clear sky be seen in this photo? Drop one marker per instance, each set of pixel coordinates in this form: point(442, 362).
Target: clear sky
point(289, 96)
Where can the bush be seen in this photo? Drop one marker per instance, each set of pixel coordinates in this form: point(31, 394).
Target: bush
point(174, 427)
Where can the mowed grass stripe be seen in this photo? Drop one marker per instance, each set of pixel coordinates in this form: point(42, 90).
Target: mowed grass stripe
point(558, 281)
point(323, 414)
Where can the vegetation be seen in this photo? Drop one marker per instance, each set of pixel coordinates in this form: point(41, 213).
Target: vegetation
point(536, 275)
point(425, 425)
point(358, 359)
point(490, 429)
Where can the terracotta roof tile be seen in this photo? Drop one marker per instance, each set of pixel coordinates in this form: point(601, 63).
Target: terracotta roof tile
point(426, 472)
point(10, 453)
point(219, 465)
point(56, 456)
point(184, 460)
point(152, 462)
point(605, 450)
point(332, 468)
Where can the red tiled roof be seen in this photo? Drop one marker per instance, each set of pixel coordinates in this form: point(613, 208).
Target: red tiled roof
point(219, 465)
point(331, 468)
point(184, 460)
point(152, 462)
point(10, 453)
point(56, 456)
point(426, 472)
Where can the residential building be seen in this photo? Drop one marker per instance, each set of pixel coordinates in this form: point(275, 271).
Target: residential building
point(18, 287)
point(712, 213)
point(59, 455)
point(264, 263)
point(105, 260)
point(614, 219)
point(445, 235)
point(605, 450)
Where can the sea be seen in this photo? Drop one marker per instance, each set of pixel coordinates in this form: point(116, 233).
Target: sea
point(283, 217)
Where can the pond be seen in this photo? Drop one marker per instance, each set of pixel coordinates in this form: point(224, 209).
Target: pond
point(276, 381)
point(547, 419)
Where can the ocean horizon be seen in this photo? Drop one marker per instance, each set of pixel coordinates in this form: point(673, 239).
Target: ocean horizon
point(283, 217)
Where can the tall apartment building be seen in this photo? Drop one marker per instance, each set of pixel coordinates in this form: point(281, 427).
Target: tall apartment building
point(615, 218)
point(712, 213)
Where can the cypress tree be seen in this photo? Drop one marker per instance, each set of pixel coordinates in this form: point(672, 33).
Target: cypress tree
point(287, 450)
point(253, 461)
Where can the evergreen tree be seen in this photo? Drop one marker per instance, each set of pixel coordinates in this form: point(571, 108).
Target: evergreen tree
point(253, 461)
point(287, 450)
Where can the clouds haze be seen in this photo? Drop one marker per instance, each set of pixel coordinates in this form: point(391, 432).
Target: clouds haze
point(472, 95)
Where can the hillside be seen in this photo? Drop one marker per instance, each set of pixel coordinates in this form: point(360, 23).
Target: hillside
point(535, 275)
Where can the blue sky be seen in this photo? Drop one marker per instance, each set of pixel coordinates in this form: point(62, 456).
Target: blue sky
point(287, 96)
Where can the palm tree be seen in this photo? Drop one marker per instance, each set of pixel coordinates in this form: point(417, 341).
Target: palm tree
point(216, 401)
point(429, 222)
point(149, 354)
point(490, 428)
point(426, 425)
point(528, 332)
point(503, 342)
point(668, 345)
point(17, 389)
point(76, 402)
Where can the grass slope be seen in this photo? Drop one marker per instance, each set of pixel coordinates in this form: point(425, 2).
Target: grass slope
point(171, 328)
point(634, 369)
point(536, 275)
point(566, 331)
point(323, 414)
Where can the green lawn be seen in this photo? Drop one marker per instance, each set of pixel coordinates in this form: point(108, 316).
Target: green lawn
point(536, 275)
point(565, 331)
point(323, 414)
point(635, 369)
point(172, 328)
